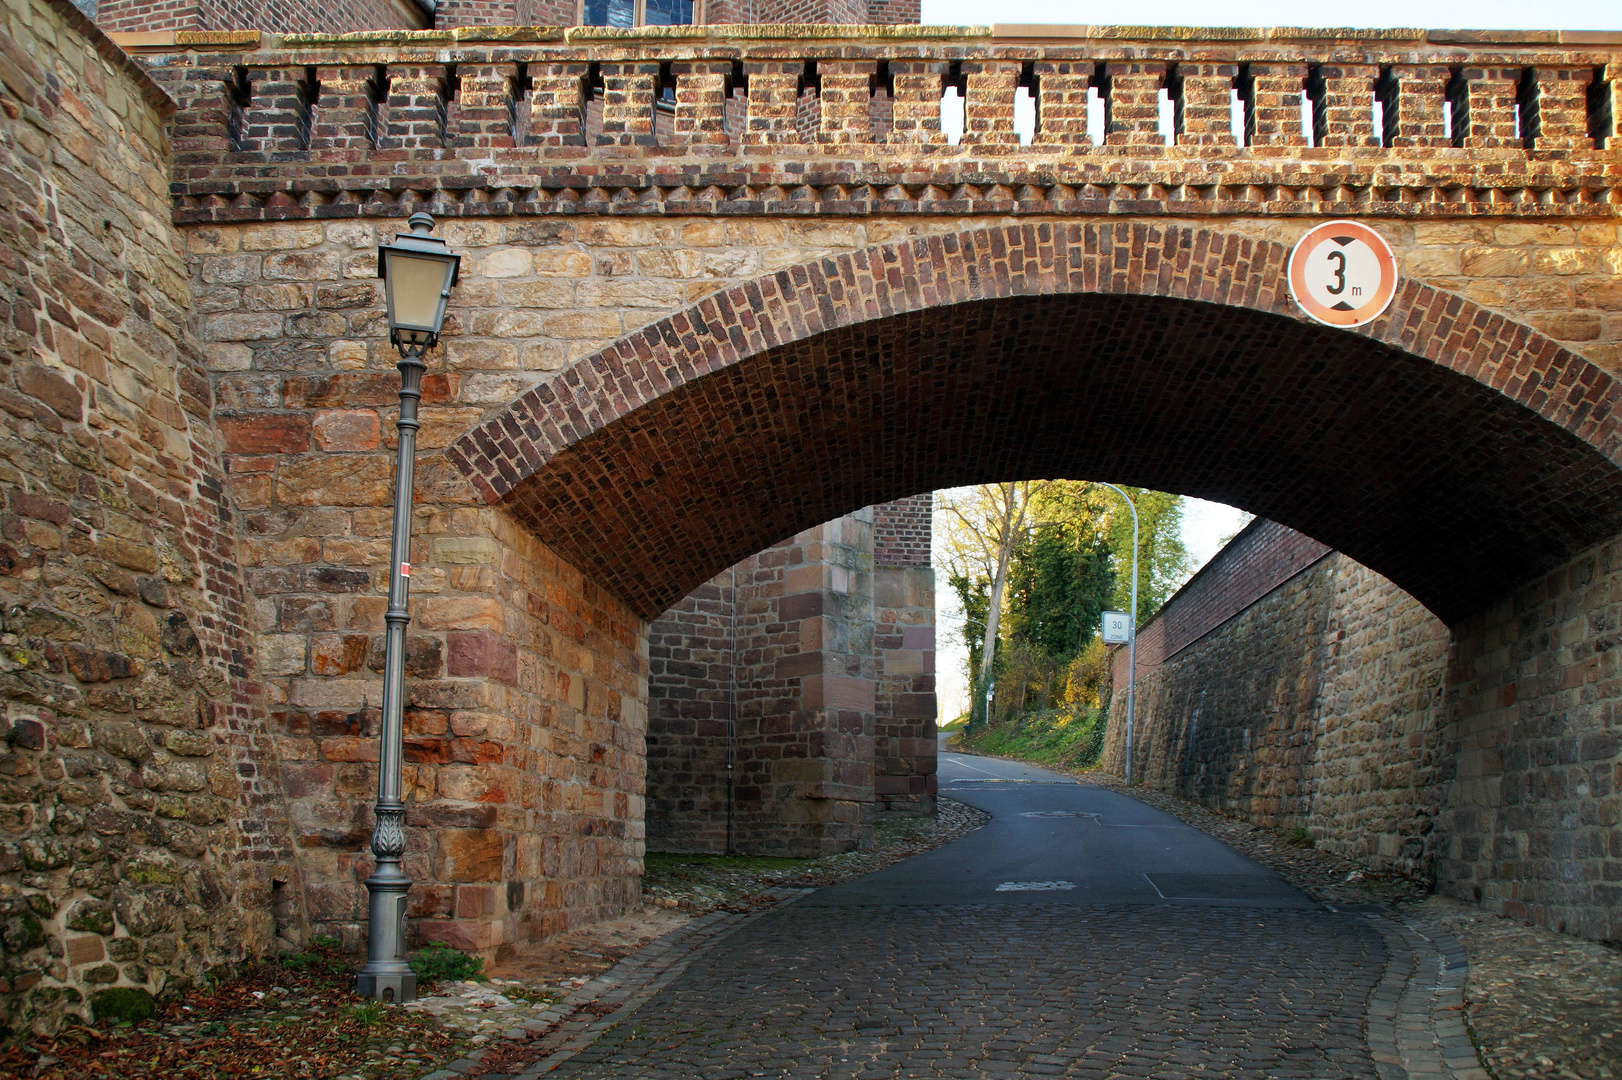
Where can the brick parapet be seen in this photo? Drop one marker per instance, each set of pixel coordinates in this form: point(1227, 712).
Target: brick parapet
point(828, 162)
point(1263, 556)
point(142, 17)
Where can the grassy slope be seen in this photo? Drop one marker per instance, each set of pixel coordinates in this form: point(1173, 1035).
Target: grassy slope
point(1069, 740)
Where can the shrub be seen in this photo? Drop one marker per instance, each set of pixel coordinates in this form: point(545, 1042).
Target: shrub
point(122, 1005)
point(444, 962)
point(367, 1014)
point(1300, 838)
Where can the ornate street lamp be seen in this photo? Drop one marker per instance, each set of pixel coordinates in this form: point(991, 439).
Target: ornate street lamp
point(418, 271)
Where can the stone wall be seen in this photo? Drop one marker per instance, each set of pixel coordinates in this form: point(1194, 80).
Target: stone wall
point(525, 712)
point(1487, 759)
point(524, 721)
point(1532, 744)
point(1298, 689)
point(692, 693)
point(764, 645)
point(904, 643)
point(142, 832)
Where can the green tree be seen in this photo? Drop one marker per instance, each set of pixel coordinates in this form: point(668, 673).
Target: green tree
point(1059, 584)
point(1034, 566)
point(974, 596)
point(1162, 558)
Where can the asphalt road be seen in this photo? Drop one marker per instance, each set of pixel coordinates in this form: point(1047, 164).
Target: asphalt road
point(1054, 841)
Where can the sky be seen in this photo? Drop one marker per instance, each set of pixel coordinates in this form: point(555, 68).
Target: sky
point(1473, 14)
point(1205, 524)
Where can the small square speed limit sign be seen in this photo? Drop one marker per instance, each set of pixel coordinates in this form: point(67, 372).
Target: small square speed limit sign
point(1117, 628)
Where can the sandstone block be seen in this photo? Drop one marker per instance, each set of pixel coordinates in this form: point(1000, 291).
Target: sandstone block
point(54, 390)
point(281, 654)
point(464, 550)
point(335, 481)
point(1494, 262)
point(460, 613)
point(268, 433)
point(338, 654)
point(469, 855)
point(481, 653)
point(346, 429)
point(504, 263)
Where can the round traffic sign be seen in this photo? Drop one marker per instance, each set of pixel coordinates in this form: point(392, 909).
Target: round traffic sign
point(1342, 273)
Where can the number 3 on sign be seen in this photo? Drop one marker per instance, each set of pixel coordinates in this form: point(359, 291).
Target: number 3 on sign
point(1342, 273)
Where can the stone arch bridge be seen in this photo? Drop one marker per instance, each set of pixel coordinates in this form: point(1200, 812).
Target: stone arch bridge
point(724, 284)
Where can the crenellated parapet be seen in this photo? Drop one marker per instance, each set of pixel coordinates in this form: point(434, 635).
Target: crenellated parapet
point(854, 120)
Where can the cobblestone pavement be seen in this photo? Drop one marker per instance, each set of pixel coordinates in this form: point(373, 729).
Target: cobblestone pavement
point(1028, 990)
point(1375, 987)
point(1539, 1005)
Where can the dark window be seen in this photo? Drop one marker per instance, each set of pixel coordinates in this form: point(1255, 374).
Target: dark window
point(669, 13)
point(610, 13)
point(629, 13)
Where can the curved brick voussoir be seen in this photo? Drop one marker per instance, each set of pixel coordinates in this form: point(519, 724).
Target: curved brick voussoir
point(1454, 450)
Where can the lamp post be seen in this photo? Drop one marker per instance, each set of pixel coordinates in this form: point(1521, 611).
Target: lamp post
point(418, 271)
point(1132, 638)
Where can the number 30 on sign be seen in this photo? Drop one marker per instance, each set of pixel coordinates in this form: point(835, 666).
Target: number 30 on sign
point(1342, 273)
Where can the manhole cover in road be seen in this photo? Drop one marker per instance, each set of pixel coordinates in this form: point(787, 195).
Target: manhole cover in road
point(1035, 886)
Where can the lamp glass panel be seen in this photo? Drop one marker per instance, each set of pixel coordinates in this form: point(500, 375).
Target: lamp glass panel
point(414, 284)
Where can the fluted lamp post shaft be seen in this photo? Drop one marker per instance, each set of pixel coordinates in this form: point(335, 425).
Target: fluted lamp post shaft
point(418, 271)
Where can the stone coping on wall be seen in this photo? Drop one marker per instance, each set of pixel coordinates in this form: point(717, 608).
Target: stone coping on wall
point(111, 50)
point(1030, 32)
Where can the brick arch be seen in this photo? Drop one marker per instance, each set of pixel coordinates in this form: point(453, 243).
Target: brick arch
point(1452, 449)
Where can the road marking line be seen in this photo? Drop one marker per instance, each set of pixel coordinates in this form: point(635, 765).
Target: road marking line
point(1037, 886)
point(955, 760)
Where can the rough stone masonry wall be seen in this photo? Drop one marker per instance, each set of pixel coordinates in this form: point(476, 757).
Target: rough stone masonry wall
point(691, 691)
point(526, 707)
point(1491, 760)
point(1302, 690)
point(1532, 824)
point(142, 833)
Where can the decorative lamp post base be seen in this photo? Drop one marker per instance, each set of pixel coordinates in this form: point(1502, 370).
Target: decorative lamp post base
point(398, 989)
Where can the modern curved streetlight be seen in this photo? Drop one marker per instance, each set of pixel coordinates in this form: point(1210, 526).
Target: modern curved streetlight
point(1132, 631)
point(418, 271)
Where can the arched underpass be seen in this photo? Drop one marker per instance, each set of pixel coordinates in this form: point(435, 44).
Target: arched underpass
point(1462, 456)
